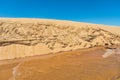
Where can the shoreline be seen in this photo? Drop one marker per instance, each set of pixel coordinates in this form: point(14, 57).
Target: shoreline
point(9, 61)
point(55, 64)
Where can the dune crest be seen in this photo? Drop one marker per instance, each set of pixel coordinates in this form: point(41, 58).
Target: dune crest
point(29, 37)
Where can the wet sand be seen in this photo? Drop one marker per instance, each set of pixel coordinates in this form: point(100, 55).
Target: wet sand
point(70, 65)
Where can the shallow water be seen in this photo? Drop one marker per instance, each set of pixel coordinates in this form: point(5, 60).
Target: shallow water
point(71, 65)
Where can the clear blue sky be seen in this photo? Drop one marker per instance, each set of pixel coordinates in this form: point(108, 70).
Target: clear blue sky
point(92, 11)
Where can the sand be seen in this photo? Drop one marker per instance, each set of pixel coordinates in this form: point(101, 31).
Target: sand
point(29, 37)
point(70, 65)
point(42, 49)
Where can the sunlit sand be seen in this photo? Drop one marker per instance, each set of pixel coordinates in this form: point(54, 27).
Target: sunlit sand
point(40, 49)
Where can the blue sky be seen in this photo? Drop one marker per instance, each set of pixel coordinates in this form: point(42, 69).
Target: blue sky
point(91, 11)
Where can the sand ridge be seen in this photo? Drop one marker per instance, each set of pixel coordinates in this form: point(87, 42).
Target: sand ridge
point(29, 37)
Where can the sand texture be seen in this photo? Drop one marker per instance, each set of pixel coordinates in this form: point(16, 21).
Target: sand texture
point(71, 65)
point(30, 37)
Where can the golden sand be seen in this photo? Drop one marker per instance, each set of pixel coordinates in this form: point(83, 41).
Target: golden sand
point(29, 37)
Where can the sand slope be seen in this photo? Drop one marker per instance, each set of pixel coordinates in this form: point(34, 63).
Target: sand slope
point(29, 37)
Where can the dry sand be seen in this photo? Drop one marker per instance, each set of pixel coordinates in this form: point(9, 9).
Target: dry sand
point(30, 37)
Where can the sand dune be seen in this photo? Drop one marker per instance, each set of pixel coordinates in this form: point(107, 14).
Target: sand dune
point(30, 37)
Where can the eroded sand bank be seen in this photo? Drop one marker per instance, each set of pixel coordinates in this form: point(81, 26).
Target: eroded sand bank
point(29, 37)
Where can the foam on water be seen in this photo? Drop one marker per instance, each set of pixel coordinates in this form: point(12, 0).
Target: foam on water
point(108, 53)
